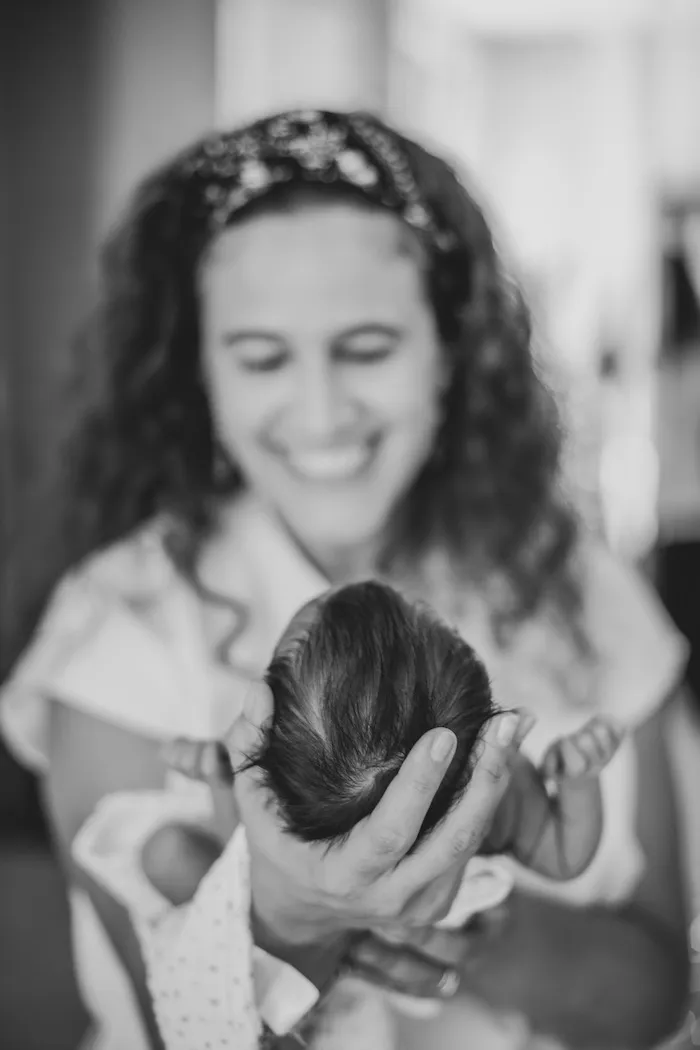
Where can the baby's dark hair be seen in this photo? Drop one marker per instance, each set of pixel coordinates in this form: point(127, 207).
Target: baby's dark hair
point(357, 680)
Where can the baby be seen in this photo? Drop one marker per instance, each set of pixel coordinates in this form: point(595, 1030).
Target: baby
point(358, 677)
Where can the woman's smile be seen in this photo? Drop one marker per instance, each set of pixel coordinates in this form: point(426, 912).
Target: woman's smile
point(350, 461)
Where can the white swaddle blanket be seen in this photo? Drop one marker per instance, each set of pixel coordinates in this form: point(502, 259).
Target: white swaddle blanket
point(204, 973)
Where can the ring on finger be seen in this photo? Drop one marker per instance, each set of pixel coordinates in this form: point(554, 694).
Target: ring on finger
point(448, 985)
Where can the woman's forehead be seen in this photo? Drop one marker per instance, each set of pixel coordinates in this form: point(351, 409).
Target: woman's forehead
point(338, 253)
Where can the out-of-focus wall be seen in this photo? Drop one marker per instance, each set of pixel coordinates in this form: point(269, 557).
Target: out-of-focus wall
point(99, 92)
point(44, 56)
point(277, 54)
point(47, 157)
point(577, 121)
point(155, 90)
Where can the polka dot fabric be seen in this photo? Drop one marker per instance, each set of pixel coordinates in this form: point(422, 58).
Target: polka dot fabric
point(200, 963)
point(210, 986)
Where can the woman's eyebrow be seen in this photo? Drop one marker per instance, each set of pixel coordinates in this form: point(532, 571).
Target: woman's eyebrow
point(372, 328)
point(242, 335)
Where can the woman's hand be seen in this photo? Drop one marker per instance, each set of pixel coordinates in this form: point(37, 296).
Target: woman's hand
point(426, 962)
point(305, 892)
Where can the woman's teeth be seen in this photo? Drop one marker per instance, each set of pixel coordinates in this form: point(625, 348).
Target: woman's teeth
point(339, 464)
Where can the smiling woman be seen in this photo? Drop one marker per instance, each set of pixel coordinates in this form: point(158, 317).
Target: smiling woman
point(316, 369)
point(325, 379)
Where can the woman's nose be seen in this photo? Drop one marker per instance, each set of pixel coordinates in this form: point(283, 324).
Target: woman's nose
point(322, 404)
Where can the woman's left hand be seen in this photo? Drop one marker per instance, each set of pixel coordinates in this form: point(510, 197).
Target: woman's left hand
point(430, 962)
point(426, 962)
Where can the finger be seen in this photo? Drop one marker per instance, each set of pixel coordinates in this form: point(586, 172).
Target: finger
point(215, 766)
point(246, 734)
point(444, 947)
point(225, 772)
point(609, 737)
point(588, 748)
point(575, 761)
point(526, 723)
point(552, 763)
point(461, 833)
point(225, 809)
point(180, 756)
point(209, 762)
point(392, 828)
point(193, 759)
point(403, 971)
point(432, 903)
point(242, 742)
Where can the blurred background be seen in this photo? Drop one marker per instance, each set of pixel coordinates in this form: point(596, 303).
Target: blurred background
point(579, 123)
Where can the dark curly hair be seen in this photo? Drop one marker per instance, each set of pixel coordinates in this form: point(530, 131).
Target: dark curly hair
point(490, 495)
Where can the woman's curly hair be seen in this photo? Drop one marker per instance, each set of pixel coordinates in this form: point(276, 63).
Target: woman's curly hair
point(490, 494)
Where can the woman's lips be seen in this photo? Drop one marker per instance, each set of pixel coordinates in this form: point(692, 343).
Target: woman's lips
point(332, 464)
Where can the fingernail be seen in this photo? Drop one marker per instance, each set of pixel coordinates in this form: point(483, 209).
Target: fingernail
point(506, 729)
point(443, 746)
point(527, 721)
point(449, 984)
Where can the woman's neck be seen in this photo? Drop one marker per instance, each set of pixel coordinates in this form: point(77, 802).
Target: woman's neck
point(338, 565)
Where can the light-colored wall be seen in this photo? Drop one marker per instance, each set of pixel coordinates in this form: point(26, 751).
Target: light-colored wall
point(155, 83)
point(279, 54)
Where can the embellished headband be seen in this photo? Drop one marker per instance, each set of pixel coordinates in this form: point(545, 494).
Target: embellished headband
point(228, 171)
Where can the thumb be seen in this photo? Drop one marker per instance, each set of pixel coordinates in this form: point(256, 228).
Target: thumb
point(246, 734)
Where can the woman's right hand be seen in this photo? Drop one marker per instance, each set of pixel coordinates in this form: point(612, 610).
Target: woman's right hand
point(305, 892)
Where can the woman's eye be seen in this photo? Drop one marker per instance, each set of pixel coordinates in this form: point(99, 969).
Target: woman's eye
point(257, 355)
point(269, 362)
point(368, 347)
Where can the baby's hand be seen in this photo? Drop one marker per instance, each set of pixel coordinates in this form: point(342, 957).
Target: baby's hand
point(584, 753)
point(206, 760)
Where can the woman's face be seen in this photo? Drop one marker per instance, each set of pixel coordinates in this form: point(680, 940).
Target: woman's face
point(323, 366)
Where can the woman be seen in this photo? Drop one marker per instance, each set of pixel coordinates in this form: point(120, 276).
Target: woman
point(316, 370)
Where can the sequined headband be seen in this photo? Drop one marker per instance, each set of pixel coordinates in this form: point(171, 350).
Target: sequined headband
point(231, 170)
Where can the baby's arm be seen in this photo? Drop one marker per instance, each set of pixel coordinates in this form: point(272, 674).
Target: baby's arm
point(177, 856)
point(551, 818)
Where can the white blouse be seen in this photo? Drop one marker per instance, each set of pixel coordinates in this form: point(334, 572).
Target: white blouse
point(123, 639)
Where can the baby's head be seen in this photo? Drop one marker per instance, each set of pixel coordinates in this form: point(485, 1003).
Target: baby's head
point(358, 677)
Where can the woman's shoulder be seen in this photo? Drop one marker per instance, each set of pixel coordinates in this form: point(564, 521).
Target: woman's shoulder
point(625, 658)
point(130, 579)
point(137, 565)
point(118, 641)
